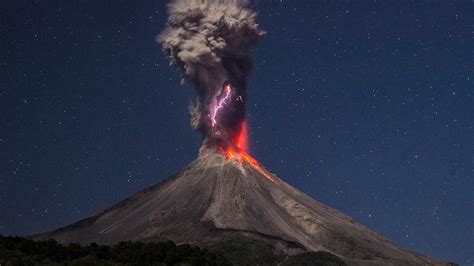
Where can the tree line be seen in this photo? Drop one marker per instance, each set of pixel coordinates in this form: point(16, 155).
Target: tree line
point(24, 251)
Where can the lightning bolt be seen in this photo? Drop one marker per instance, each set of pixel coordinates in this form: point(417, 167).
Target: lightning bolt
point(222, 102)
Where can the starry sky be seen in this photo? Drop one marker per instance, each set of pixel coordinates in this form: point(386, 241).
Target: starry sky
point(366, 106)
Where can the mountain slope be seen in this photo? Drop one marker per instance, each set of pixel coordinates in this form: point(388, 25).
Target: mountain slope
point(214, 200)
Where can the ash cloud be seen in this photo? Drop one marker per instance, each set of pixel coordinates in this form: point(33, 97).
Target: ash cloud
point(210, 41)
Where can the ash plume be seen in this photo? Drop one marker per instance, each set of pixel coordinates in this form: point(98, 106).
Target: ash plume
point(210, 41)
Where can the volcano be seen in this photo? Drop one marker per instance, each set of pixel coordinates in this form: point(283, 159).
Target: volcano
point(216, 200)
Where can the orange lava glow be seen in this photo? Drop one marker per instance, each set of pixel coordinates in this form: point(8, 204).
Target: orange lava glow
point(240, 154)
point(242, 138)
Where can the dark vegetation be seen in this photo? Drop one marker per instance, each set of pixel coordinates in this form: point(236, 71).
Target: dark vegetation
point(250, 252)
point(246, 252)
point(24, 251)
point(313, 258)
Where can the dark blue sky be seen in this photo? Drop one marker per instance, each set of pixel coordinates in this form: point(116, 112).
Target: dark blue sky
point(366, 106)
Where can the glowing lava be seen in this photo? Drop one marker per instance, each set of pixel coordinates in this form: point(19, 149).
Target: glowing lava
point(239, 153)
point(242, 138)
point(254, 163)
point(235, 149)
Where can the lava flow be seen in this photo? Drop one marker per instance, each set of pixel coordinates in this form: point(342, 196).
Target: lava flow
point(254, 163)
point(239, 153)
point(234, 148)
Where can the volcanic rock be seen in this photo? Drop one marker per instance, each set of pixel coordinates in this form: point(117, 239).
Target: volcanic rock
point(215, 200)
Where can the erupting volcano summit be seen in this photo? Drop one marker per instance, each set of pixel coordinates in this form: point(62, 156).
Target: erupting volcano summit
point(225, 195)
point(210, 41)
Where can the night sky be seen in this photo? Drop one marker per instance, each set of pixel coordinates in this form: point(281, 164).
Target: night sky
point(366, 106)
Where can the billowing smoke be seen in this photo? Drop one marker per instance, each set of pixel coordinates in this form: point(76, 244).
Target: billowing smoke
point(210, 41)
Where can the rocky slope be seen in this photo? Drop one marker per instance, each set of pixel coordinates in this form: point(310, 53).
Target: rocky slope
point(214, 200)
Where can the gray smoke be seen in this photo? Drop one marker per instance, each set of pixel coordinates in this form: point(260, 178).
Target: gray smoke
point(210, 41)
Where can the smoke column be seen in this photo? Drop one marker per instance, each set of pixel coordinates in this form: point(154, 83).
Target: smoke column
point(210, 41)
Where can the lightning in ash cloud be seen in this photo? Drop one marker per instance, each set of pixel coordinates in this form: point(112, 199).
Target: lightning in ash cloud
point(221, 103)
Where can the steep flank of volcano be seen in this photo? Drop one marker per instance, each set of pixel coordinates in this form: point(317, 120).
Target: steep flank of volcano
point(214, 200)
